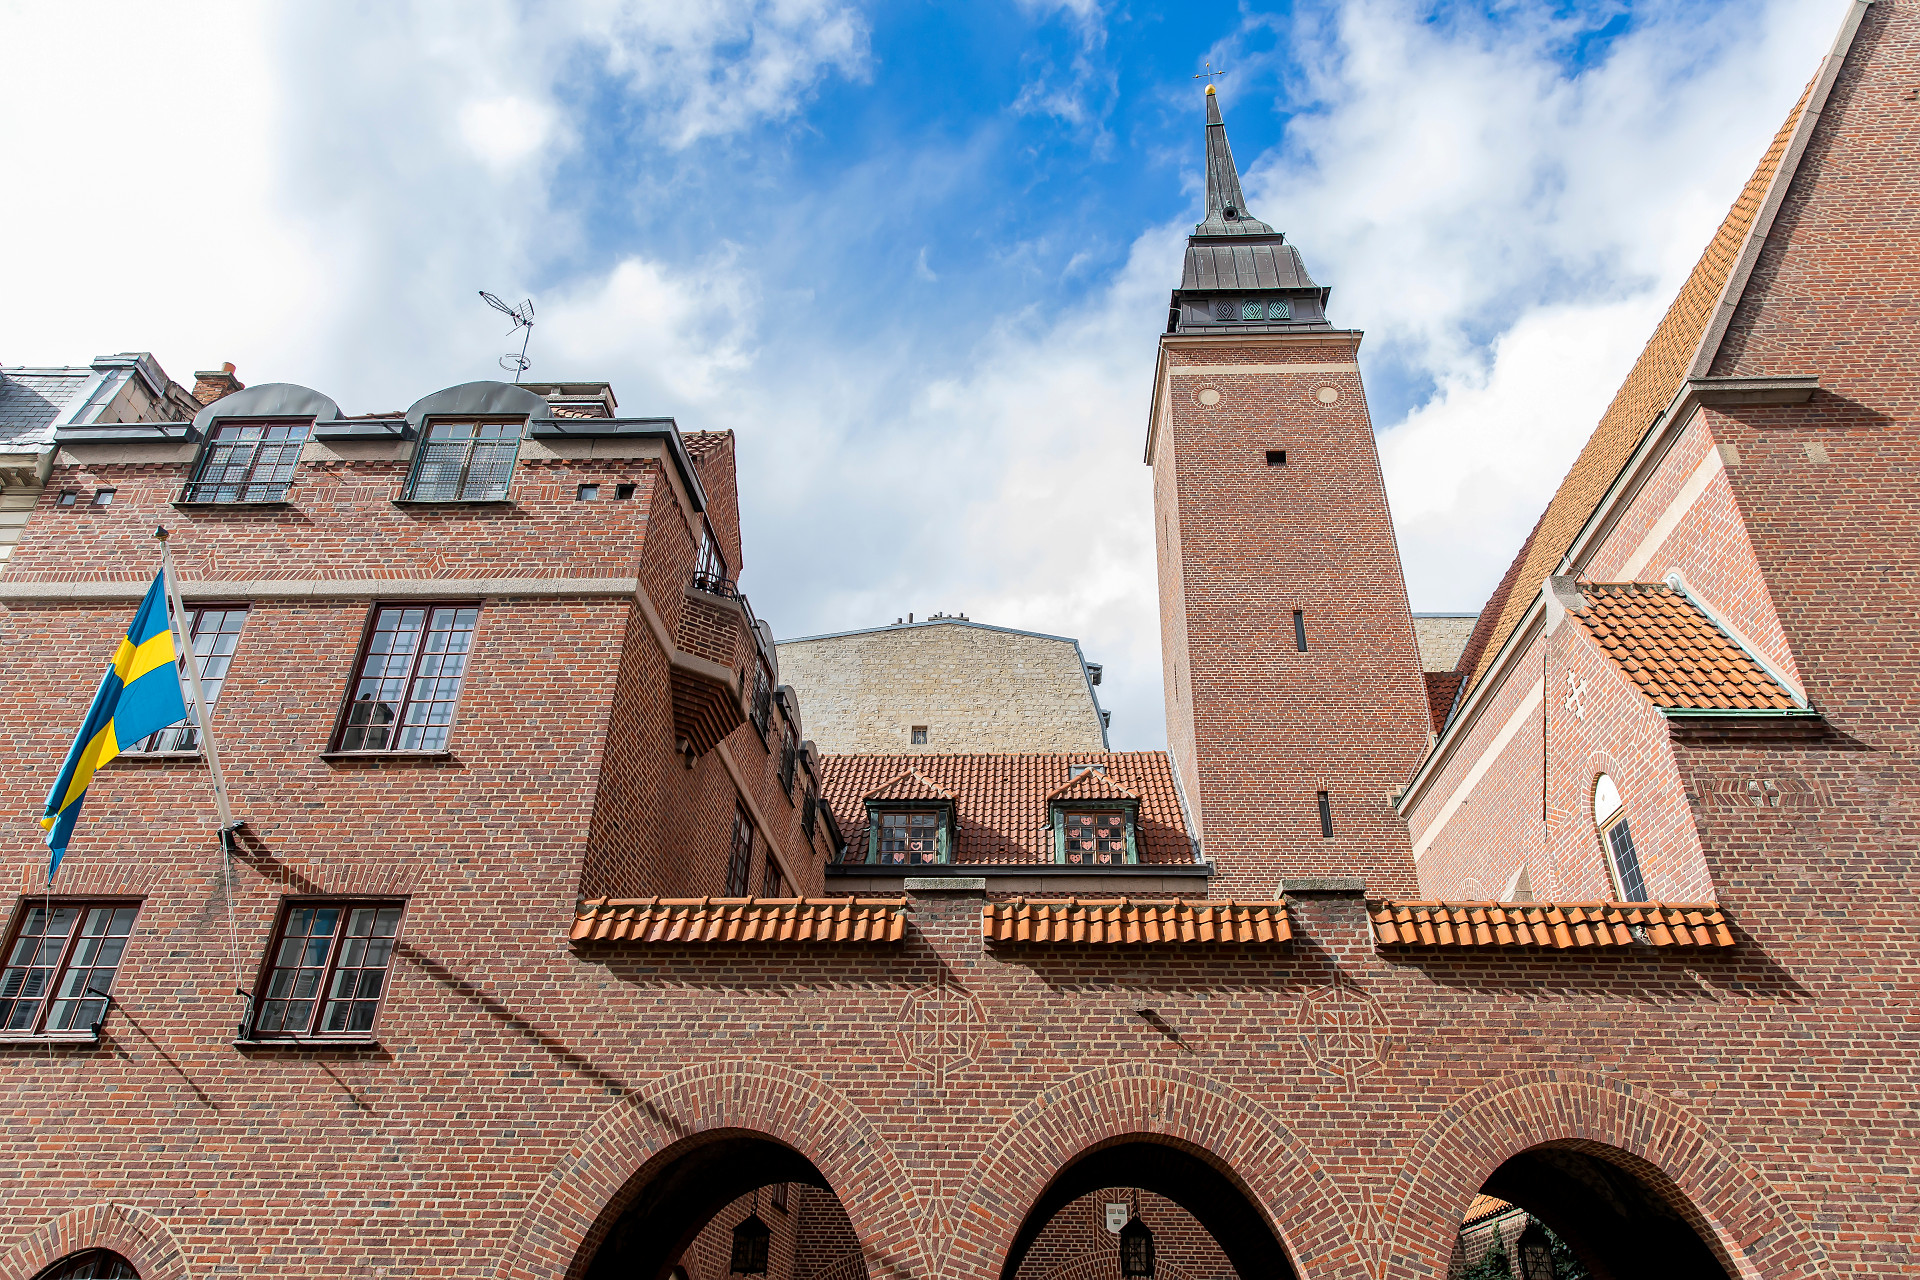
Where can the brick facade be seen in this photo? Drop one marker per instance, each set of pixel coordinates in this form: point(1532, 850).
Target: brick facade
point(1320, 1105)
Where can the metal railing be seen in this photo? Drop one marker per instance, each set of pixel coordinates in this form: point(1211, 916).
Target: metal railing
point(715, 585)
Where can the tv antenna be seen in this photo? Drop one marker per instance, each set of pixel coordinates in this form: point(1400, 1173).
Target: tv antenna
point(522, 317)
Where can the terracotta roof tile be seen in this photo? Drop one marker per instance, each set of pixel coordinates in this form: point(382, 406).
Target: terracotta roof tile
point(701, 444)
point(1650, 385)
point(1559, 925)
point(1093, 784)
point(1124, 921)
point(1483, 1208)
point(706, 920)
point(908, 786)
point(1441, 686)
point(1673, 652)
point(1001, 801)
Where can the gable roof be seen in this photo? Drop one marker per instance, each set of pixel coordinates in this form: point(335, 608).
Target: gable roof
point(1675, 654)
point(1001, 802)
point(1647, 391)
point(908, 786)
point(1093, 784)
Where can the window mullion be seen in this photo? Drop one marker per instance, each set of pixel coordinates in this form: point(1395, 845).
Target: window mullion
point(466, 462)
point(326, 977)
point(413, 674)
point(60, 967)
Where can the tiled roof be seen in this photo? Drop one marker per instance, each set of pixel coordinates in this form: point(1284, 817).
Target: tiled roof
point(1000, 801)
point(1560, 925)
point(1485, 1207)
point(1093, 784)
point(1650, 385)
point(908, 786)
point(1123, 921)
point(698, 920)
point(701, 444)
point(1674, 652)
point(1441, 686)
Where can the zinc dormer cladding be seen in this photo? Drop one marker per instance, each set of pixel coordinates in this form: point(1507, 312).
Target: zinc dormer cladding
point(1240, 274)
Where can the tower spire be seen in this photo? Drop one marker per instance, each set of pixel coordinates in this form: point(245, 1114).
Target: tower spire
point(1226, 206)
point(1240, 273)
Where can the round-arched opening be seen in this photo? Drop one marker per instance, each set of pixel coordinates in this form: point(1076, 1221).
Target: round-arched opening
point(94, 1264)
point(1584, 1211)
point(1204, 1222)
point(719, 1201)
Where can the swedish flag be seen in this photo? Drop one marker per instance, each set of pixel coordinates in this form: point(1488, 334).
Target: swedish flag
point(139, 695)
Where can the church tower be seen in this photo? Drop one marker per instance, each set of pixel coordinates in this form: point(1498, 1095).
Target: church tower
point(1295, 702)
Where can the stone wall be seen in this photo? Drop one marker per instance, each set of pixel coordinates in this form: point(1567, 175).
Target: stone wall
point(974, 688)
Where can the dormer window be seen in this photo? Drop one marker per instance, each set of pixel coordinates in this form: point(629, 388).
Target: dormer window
point(911, 837)
point(470, 461)
point(248, 462)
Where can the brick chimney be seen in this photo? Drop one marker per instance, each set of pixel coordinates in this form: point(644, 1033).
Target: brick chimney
point(212, 384)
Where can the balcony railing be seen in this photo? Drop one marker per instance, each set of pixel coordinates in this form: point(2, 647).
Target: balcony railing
point(219, 491)
point(715, 585)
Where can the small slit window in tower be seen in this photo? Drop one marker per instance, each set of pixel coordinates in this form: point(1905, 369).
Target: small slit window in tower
point(587, 493)
point(1276, 457)
point(1326, 816)
point(1300, 630)
point(103, 497)
point(68, 497)
point(919, 738)
point(623, 492)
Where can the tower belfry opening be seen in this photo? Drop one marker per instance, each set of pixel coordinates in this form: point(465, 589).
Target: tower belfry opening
point(1240, 274)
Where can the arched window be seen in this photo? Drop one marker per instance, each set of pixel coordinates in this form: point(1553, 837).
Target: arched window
point(1610, 818)
point(94, 1264)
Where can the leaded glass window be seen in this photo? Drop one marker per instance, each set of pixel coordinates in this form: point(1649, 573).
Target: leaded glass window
point(328, 971)
point(1098, 837)
point(466, 462)
point(248, 462)
point(1610, 816)
point(61, 965)
point(409, 677)
point(909, 837)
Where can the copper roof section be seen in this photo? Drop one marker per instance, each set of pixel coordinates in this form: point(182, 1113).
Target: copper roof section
point(1562, 926)
point(908, 786)
point(1673, 652)
point(1092, 784)
point(708, 920)
point(1649, 388)
point(1126, 922)
point(1001, 809)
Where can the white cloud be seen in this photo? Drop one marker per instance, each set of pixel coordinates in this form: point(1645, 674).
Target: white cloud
point(505, 131)
point(676, 335)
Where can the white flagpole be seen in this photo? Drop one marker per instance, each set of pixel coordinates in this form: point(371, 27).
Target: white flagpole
point(183, 643)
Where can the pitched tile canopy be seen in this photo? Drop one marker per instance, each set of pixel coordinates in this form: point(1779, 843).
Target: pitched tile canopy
point(1560, 926)
point(1674, 653)
point(910, 785)
point(708, 920)
point(1092, 785)
point(1124, 921)
point(1001, 801)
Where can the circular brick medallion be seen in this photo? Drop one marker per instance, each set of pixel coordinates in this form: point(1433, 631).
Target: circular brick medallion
point(1327, 395)
point(1209, 396)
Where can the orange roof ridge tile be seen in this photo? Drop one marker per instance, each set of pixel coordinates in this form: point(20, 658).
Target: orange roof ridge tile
point(709, 920)
point(1092, 783)
point(1129, 921)
point(1557, 925)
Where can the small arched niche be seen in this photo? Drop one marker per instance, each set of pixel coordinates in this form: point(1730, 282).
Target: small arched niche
point(678, 1217)
point(1584, 1211)
point(1204, 1220)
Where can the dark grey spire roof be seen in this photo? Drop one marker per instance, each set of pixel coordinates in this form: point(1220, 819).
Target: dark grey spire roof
point(1223, 184)
point(1232, 251)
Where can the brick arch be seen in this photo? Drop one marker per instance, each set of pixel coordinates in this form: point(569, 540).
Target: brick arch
point(130, 1231)
point(1729, 1202)
point(1250, 1143)
point(784, 1105)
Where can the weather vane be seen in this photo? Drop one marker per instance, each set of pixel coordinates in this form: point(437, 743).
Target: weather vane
point(522, 317)
point(1208, 73)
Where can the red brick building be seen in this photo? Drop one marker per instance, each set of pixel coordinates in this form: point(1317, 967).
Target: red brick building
point(549, 949)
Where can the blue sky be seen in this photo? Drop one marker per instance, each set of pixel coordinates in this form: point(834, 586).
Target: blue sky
point(915, 255)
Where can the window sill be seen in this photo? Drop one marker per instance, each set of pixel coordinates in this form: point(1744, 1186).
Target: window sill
point(209, 504)
point(309, 1042)
point(88, 1039)
point(157, 757)
point(375, 757)
point(453, 504)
